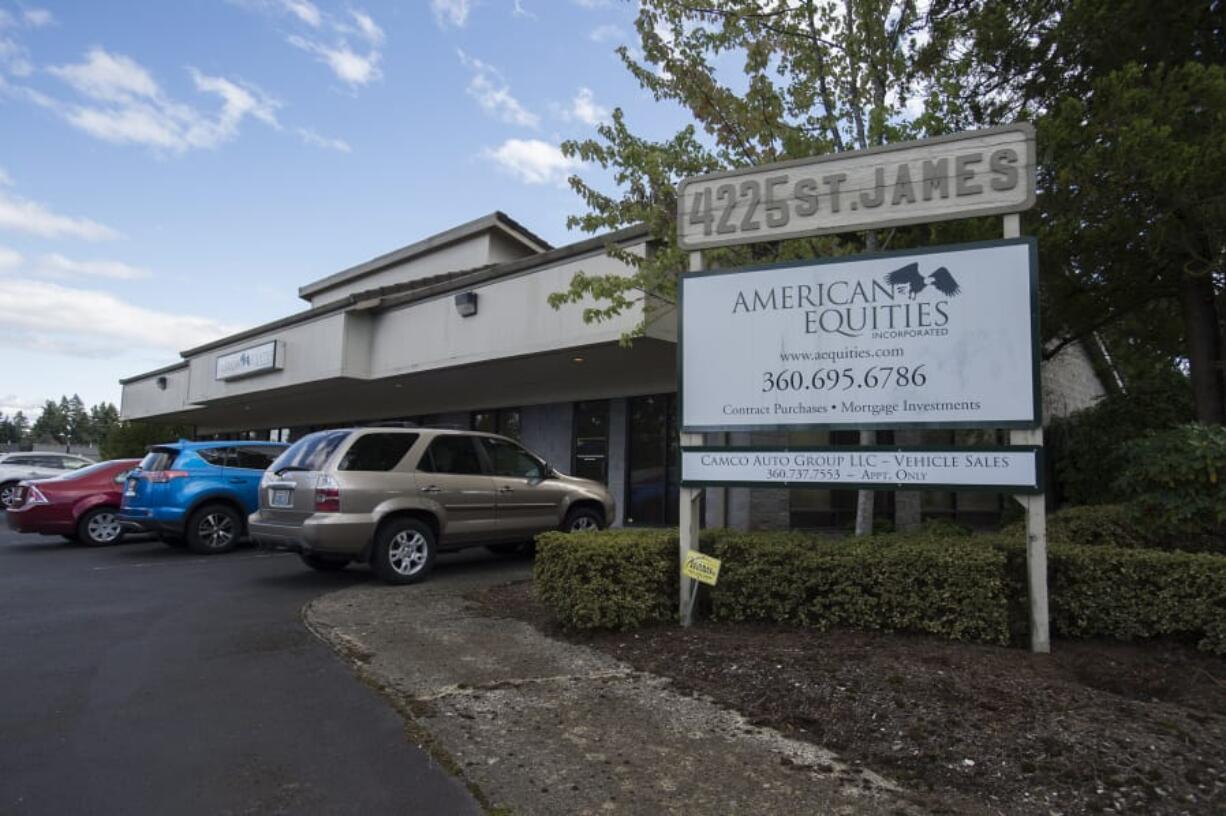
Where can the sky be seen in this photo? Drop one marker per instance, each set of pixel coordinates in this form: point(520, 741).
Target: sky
point(173, 172)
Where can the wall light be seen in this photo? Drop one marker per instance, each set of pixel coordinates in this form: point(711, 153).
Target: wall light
point(466, 304)
point(577, 360)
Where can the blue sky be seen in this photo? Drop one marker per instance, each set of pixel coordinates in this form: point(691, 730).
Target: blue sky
point(171, 172)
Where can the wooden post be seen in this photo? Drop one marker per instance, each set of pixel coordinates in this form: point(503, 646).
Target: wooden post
point(1036, 518)
point(689, 512)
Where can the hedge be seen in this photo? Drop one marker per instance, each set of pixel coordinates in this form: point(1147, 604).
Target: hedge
point(958, 587)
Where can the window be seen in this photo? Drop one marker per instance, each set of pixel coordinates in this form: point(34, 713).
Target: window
point(310, 452)
point(73, 463)
point(377, 451)
point(219, 457)
point(652, 460)
point(452, 454)
point(591, 451)
point(159, 459)
point(20, 460)
point(503, 421)
point(84, 472)
point(254, 457)
point(512, 460)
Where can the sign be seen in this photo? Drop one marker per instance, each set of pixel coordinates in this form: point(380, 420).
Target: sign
point(1015, 469)
point(702, 568)
point(268, 356)
point(945, 336)
point(980, 172)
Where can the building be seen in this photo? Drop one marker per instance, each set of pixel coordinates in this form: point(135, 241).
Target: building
point(456, 330)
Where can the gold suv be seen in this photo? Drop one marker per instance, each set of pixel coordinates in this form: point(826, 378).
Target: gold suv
point(394, 497)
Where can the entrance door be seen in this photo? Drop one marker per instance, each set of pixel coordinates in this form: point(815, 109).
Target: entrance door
point(653, 460)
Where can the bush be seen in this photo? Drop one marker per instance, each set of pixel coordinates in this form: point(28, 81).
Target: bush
point(1175, 481)
point(961, 587)
point(615, 579)
point(1094, 525)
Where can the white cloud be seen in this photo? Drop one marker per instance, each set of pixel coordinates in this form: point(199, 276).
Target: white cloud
point(312, 138)
point(305, 11)
point(87, 322)
point(493, 94)
point(37, 17)
point(21, 215)
point(592, 4)
point(367, 27)
point(9, 259)
point(15, 58)
point(451, 12)
point(520, 11)
point(127, 106)
point(584, 108)
point(11, 404)
point(607, 33)
point(533, 161)
point(57, 266)
point(349, 66)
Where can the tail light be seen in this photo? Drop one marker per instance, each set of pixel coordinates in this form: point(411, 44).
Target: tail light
point(30, 495)
point(327, 495)
point(163, 476)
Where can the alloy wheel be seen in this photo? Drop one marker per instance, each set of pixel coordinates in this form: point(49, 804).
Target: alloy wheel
point(104, 528)
point(584, 524)
point(216, 530)
point(7, 494)
point(407, 552)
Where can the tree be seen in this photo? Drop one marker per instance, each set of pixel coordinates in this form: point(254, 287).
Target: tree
point(819, 76)
point(126, 440)
point(76, 419)
point(21, 427)
point(102, 417)
point(52, 423)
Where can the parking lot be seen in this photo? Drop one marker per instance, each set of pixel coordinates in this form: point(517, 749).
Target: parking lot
point(144, 679)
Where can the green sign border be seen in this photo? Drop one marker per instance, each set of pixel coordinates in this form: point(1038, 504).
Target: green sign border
point(1037, 450)
point(1036, 382)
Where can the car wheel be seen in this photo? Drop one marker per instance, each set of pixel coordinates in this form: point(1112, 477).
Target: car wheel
point(100, 527)
point(213, 529)
point(8, 492)
point(582, 520)
point(403, 552)
point(324, 563)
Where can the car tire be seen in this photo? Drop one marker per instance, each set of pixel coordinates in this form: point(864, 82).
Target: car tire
point(7, 490)
point(403, 552)
point(582, 520)
point(214, 529)
point(100, 527)
point(324, 563)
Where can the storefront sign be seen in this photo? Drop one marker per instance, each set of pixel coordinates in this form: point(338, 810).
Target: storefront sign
point(702, 568)
point(1011, 469)
point(945, 336)
point(980, 172)
point(268, 356)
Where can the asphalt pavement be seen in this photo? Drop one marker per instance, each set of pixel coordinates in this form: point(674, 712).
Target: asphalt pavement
point(141, 679)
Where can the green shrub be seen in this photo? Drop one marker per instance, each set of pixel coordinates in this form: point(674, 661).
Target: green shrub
point(615, 579)
point(1092, 525)
point(1175, 481)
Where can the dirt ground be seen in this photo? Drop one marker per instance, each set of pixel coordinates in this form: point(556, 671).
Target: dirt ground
point(1095, 727)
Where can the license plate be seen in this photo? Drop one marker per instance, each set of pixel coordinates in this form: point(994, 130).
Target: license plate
point(280, 498)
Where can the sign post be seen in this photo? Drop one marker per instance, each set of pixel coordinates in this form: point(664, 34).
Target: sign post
point(940, 337)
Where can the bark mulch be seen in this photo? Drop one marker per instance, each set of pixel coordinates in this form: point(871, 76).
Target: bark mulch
point(1095, 727)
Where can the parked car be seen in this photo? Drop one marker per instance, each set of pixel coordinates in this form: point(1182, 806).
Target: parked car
point(198, 493)
point(14, 467)
point(393, 497)
point(81, 505)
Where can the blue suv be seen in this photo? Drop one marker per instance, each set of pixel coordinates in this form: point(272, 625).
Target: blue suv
point(197, 492)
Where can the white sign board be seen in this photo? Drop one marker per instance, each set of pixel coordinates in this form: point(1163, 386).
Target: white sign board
point(981, 172)
point(268, 356)
point(944, 336)
point(1013, 470)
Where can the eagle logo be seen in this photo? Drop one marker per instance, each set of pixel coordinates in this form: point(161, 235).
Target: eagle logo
point(909, 276)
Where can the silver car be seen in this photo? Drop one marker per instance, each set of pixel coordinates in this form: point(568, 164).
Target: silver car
point(393, 497)
point(15, 467)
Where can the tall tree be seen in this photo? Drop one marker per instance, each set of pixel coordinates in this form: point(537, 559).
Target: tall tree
point(51, 425)
point(102, 417)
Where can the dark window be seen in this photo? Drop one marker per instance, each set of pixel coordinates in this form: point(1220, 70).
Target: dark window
point(20, 460)
point(377, 451)
point(509, 459)
point(84, 472)
point(486, 421)
point(591, 453)
point(159, 459)
point(451, 454)
point(255, 457)
point(310, 452)
point(73, 463)
point(653, 456)
point(220, 457)
point(503, 421)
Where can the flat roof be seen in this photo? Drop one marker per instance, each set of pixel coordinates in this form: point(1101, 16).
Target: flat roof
point(496, 220)
point(398, 294)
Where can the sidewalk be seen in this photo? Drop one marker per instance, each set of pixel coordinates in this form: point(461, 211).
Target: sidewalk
point(540, 726)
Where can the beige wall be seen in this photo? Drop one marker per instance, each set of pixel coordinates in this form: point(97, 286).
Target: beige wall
point(143, 398)
point(468, 254)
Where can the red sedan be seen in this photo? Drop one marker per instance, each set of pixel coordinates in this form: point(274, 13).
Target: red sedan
point(80, 505)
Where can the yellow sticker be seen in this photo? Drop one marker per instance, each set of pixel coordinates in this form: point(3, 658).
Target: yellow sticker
point(701, 567)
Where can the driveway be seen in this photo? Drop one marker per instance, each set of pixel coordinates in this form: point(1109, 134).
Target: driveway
point(144, 679)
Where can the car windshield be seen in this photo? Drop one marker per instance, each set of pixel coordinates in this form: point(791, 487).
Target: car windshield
point(310, 452)
point(159, 459)
point(82, 473)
